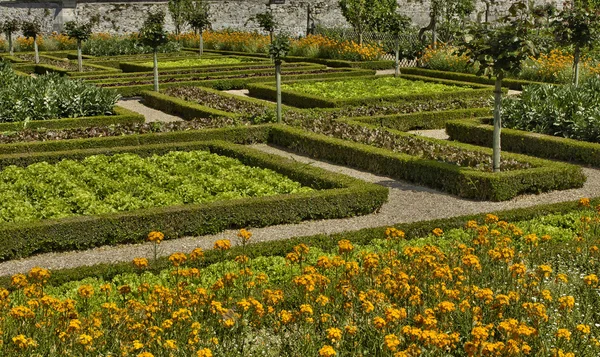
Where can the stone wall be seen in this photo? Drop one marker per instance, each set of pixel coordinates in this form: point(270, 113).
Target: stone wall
point(127, 16)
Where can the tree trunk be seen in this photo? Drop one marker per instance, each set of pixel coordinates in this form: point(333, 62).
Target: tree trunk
point(156, 70)
point(497, 123)
point(576, 57)
point(201, 43)
point(433, 32)
point(271, 36)
point(360, 37)
point(11, 47)
point(79, 59)
point(397, 63)
point(278, 85)
point(35, 49)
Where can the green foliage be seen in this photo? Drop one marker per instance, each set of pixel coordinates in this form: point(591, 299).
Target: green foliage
point(78, 31)
point(124, 45)
point(367, 14)
point(23, 98)
point(279, 48)
point(501, 49)
point(10, 26)
point(266, 21)
point(396, 24)
point(178, 11)
point(193, 62)
point(152, 32)
point(198, 15)
point(565, 111)
point(357, 88)
point(103, 184)
point(31, 28)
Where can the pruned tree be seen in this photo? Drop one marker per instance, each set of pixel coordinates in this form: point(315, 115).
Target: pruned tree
point(9, 27)
point(577, 26)
point(498, 50)
point(198, 16)
point(32, 29)
point(444, 9)
point(266, 21)
point(278, 49)
point(79, 32)
point(153, 34)
point(396, 24)
point(178, 11)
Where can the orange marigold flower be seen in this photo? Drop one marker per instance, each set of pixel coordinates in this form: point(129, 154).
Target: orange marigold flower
point(156, 237)
point(222, 244)
point(327, 351)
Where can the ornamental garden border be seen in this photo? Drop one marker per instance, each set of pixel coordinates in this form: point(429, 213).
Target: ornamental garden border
point(336, 196)
point(140, 67)
point(479, 132)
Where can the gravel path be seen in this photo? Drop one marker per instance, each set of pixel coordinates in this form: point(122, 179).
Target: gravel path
point(407, 203)
point(433, 133)
point(135, 104)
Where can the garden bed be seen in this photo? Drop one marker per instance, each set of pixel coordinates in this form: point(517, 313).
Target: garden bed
point(333, 196)
point(210, 62)
point(366, 90)
point(297, 282)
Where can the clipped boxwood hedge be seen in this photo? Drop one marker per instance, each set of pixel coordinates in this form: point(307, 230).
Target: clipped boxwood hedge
point(461, 181)
point(337, 196)
point(185, 109)
point(479, 132)
point(511, 83)
point(325, 242)
point(421, 120)
point(122, 116)
point(303, 100)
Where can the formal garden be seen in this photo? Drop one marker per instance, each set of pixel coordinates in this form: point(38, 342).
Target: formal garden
point(376, 190)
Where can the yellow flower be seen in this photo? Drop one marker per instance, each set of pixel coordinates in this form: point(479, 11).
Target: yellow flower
point(18, 280)
point(177, 259)
point(145, 354)
point(244, 235)
point(285, 316)
point(584, 202)
point(591, 280)
point(334, 334)
point(156, 237)
point(223, 244)
point(39, 274)
point(23, 342)
point(85, 291)
point(196, 254)
point(379, 323)
point(327, 351)
point(438, 232)
point(85, 340)
point(391, 342)
point(22, 312)
point(566, 302)
point(205, 352)
point(344, 246)
point(563, 333)
point(140, 263)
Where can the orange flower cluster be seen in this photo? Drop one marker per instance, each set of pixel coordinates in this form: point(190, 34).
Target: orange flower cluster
point(557, 67)
point(445, 58)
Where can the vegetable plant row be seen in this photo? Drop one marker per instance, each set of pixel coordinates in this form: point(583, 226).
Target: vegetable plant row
point(102, 184)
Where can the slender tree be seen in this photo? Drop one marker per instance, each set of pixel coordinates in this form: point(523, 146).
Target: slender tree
point(9, 27)
point(577, 26)
point(177, 10)
point(79, 32)
point(278, 50)
point(396, 25)
point(356, 12)
point(32, 29)
point(267, 22)
point(498, 50)
point(198, 17)
point(154, 35)
point(446, 9)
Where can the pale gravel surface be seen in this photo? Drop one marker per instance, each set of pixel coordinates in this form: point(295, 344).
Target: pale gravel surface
point(407, 203)
point(433, 133)
point(152, 115)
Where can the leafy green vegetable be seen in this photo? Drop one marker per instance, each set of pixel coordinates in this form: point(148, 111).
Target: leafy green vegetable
point(124, 182)
point(361, 87)
point(192, 62)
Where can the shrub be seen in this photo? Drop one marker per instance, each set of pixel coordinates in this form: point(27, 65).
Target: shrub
point(563, 111)
point(446, 58)
point(113, 45)
point(51, 96)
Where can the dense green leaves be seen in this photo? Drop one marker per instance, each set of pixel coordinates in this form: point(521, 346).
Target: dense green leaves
point(24, 98)
point(152, 32)
point(123, 45)
point(564, 111)
point(191, 62)
point(359, 88)
point(78, 31)
point(279, 48)
point(31, 28)
point(124, 182)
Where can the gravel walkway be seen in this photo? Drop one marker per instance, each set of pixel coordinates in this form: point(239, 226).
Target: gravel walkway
point(433, 133)
point(135, 104)
point(407, 203)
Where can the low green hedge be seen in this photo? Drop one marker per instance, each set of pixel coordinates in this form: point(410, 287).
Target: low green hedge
point(337, 196)
point(302, 100)
point(421, 120)
point(461, 181)
point(511, 83)
point(325, 242)
point(122, 116)
point(184, 109)
point(47, 68)
point(479, 132)
point(375, 65)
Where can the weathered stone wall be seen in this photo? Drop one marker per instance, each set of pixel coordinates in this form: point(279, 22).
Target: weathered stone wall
point(127, 16)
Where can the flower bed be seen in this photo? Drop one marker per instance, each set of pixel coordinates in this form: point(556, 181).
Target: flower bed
point(209, 62)
point(441, 294)
point(365, 90)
